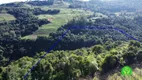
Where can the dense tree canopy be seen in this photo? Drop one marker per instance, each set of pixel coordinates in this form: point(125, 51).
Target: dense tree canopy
point(72, 64)
point(38, 11)
point(80, 35)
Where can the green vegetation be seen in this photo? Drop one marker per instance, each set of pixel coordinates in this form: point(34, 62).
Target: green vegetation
point(135, 76)
point(24, 24)
point(73, 64)
point(83, 53)
point(6, 17)
point(57, 20)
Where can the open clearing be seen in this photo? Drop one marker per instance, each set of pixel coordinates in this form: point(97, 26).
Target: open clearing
point(6, 17)
point(57, 20)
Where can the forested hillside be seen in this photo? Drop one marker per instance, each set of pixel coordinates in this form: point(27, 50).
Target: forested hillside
point(70, 40)
point(77, 64)
point(108, 5)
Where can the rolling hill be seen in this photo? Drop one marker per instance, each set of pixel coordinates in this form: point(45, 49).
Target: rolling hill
point(70, 40)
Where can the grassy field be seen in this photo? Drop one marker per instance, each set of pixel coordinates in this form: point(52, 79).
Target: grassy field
point(6, 17)
point(57, 21)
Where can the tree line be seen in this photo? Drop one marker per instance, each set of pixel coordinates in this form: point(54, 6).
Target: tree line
point(38, 11)
point(24, 24)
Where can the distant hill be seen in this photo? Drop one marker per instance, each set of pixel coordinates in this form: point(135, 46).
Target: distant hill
point(109, 5)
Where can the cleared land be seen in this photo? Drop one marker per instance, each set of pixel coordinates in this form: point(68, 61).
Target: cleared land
point(6, 17)
point(57, 21)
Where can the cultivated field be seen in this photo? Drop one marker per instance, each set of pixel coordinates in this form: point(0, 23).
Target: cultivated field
point(57, 20)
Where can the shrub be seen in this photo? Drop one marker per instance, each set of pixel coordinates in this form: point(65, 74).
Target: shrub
point(139, 55)
point(109, 63)
point(98, 49)
point(134, 43)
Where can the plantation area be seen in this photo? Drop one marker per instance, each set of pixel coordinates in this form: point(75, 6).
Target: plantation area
point(57, 20)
